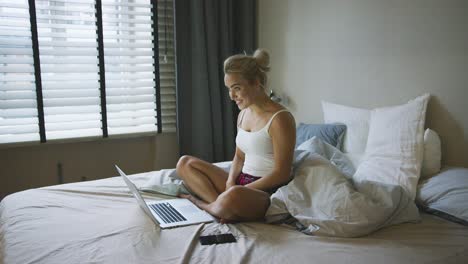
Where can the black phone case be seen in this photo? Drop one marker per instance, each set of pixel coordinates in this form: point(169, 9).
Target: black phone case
point(217, 239)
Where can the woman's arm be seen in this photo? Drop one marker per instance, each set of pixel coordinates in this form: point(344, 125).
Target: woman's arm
point(283, 136)
point(237, 161)
point(236, 168)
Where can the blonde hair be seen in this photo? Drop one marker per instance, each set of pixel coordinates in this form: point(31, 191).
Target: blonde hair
point(251, 68)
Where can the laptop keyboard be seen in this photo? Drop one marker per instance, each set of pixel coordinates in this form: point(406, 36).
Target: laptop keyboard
point(167, 213)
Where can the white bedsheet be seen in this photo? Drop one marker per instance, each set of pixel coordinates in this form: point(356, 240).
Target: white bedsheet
point(99, 222)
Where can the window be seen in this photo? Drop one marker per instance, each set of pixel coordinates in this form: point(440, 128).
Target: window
point(85, 68)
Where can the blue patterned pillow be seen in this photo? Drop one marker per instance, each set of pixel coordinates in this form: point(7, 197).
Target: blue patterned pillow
point(331, 133)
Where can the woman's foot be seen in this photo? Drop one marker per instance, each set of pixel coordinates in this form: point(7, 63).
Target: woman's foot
point(203, 205)
point(199, 203)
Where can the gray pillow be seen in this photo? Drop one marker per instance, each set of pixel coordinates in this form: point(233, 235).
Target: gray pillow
point(446, 195)
point(331, 133)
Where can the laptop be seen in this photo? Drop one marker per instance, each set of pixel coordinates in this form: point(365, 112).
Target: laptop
point(171, 212)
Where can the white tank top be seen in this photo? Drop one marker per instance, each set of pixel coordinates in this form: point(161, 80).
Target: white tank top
point(258, 149)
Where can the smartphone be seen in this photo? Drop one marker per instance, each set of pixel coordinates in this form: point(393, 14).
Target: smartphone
point(217, 239)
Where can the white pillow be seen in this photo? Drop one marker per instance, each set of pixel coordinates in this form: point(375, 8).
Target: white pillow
point(355, 158)
point(394, 150)
point(356, 121)
point(432, 154)
point(357, 130)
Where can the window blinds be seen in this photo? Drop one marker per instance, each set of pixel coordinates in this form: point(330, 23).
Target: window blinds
point(72, 78)
point(131, 98)
point(69, 68)
point(18, 107)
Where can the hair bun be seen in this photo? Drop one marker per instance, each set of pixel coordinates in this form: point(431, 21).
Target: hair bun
point(262, 58)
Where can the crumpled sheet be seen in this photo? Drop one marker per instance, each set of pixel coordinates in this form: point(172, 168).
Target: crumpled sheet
point(327, 202)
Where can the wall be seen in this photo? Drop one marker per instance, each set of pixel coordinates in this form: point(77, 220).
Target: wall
point(36, 166)
point(369, 53)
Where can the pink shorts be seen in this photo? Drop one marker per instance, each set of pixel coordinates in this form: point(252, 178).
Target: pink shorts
point(245, 178)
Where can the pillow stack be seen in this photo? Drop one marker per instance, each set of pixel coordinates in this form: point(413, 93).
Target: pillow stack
point(391, 139)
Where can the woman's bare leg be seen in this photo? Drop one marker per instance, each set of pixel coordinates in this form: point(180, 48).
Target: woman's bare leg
point(206, 180)
point(239, 203)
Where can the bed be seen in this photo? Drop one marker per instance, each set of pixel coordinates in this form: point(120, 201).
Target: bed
point(100, 222)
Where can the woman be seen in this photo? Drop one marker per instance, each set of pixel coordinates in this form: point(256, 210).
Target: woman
point(264, 148)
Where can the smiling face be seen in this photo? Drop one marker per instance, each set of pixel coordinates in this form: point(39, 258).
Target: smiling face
point(241, 91)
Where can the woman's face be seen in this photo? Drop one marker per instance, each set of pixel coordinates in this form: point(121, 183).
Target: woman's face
point(240, 90)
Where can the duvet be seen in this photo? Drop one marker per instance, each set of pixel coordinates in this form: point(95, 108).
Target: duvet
point(326, 201)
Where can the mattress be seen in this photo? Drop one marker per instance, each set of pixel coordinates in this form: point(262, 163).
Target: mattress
point(100, 222)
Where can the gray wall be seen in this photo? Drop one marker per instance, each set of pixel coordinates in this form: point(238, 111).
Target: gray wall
point(371, 53)
point(36, 165)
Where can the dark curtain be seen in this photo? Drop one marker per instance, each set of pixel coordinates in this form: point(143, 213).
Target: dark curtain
point(207, 32)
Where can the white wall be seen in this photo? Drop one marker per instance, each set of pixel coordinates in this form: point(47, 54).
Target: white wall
point(370, 53)
point(35, 166)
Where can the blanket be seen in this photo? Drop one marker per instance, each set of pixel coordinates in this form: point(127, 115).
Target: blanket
point(326, 201)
